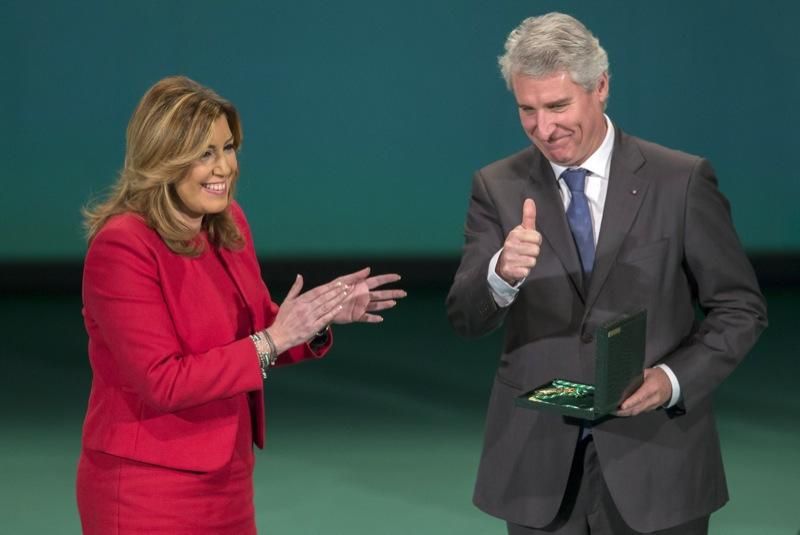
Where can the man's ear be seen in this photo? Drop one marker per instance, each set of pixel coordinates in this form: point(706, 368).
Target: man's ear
point(601, 90)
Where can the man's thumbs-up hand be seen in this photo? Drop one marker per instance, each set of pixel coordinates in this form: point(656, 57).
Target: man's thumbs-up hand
point(521, 247)
point(529, 215)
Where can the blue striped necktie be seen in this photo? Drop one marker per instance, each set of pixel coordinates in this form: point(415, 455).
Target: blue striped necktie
point(579, 217)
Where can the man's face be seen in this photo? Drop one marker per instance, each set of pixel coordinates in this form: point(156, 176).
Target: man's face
point(560, 117)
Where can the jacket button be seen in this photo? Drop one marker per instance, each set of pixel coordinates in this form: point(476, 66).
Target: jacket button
point(587, 338)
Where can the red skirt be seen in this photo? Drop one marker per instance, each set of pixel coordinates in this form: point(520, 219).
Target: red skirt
point(117, 496)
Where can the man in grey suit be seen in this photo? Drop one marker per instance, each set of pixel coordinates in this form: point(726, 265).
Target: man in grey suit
point(585, 226)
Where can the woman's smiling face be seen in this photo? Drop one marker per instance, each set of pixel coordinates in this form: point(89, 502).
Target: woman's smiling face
point(206, 187)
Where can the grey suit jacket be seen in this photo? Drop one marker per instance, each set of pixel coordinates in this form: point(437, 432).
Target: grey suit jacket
point(666, 244)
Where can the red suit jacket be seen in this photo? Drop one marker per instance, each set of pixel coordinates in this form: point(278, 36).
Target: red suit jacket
point(169, 346)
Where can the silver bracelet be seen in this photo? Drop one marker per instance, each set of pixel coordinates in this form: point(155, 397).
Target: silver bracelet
point(273, 349)
point(263, 351)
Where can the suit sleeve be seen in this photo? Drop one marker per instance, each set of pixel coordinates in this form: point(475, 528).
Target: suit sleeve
point(123, 295)
point(726, 290)
point(471, 307)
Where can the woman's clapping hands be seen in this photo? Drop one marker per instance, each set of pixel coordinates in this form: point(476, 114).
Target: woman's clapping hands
point(346, 299)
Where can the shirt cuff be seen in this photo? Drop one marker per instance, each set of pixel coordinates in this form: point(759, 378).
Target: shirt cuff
point(676, 388)
point(504, 294)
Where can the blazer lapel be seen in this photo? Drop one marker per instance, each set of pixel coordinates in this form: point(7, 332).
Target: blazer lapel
point(624, 197)
point(232, 267)
point(551, 220)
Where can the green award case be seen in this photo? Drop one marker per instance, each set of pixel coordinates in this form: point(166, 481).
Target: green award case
point(618, 373)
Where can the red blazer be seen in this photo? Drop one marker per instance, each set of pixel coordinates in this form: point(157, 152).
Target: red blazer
point(169, 346)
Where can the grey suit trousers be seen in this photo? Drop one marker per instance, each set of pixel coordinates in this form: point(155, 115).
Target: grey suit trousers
point(588, 507)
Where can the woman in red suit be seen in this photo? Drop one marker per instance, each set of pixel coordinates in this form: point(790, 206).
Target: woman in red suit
point(183, 331)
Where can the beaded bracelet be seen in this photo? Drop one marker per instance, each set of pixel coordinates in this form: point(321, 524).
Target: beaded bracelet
point(265, 349)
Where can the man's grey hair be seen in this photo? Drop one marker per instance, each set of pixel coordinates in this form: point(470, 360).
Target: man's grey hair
point(551, 43)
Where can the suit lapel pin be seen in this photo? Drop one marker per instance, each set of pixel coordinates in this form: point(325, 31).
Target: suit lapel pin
point(634, 191)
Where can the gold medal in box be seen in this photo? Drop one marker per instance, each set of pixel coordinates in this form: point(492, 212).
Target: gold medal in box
point(619, 362)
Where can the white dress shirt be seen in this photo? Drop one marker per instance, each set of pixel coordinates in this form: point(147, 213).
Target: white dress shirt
point(596, 188)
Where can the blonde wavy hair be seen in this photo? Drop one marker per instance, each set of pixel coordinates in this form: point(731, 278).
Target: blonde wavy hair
point(169, 130)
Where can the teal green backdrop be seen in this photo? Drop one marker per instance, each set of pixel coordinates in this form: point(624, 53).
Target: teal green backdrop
point(365, 119)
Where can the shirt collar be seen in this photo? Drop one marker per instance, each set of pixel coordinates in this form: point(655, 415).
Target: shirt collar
point(599, 163)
